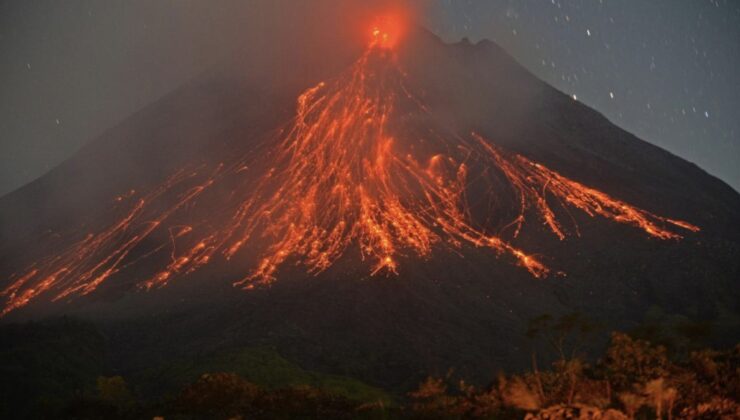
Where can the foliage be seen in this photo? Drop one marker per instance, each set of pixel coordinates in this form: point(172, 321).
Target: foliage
point(261, 366)
point(114, 390)
point(224, 394)
point(564, 335)
point(227, 395)
point(633, 361)
point(633, 379)
point(45, 364)
point(431, 397)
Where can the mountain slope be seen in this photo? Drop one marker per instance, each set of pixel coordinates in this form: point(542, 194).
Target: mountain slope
point(462, 303)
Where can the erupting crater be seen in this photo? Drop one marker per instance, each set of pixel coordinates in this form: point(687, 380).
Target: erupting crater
point(386, 32)
point(360, 165)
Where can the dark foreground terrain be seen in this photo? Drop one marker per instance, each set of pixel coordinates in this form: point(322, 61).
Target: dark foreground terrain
point(61, 369)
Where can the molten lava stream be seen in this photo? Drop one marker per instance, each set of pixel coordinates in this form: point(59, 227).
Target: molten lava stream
point(349, 170)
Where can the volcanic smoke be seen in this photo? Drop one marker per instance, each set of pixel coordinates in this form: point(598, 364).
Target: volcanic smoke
point(354, 168)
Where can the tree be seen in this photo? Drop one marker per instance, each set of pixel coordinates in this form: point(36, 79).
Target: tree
point(114, 390)
point(218, 394)
point(431, 398)
point(660, 396)
point(516, 393)
point(631, 402)
point(565, 336)
point(630, 361)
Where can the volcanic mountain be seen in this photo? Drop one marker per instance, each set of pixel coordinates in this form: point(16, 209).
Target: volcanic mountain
point(399, 209)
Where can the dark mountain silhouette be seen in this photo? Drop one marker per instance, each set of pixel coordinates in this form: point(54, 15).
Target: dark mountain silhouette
point(462, 306)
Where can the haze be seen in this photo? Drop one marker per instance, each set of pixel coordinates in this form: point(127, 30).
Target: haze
point(71, 70)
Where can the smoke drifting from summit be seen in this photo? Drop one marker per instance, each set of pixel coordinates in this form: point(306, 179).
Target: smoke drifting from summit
point(69, 71)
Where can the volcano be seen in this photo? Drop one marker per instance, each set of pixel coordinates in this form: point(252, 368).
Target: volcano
point(402, 208)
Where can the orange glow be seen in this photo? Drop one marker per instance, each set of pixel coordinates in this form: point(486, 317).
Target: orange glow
point(387, 31)
point(533, 181)
point(348, 172)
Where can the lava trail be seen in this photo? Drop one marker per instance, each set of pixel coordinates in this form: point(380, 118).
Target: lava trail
point(352, 169)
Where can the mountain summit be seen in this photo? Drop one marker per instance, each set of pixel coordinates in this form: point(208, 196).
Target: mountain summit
point(407, 212)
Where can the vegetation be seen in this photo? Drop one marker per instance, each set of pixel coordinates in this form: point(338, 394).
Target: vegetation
point(47, 364)
point(633, 378)
point(58, 369)
point(262, 366)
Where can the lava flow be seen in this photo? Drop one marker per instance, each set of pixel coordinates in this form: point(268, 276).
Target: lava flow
point(354, 168)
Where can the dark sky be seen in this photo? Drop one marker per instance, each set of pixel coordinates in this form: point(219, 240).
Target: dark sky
point(665, 70)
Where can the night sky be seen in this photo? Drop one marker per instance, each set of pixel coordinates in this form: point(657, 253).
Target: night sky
point(665, 70)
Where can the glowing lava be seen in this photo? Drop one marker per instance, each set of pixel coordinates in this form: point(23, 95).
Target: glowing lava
point(386, 32)
point(351, 171)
